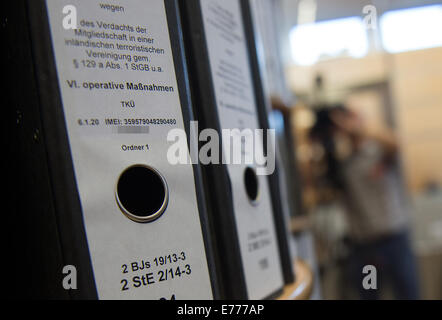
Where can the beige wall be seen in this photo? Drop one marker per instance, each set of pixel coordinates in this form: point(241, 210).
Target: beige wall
point(417, 91)
point(415, 79)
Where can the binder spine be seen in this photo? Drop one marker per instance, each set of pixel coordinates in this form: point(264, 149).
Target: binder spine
point(182, 71)
point(282, 230)
point(72, 221)
point(216, 179)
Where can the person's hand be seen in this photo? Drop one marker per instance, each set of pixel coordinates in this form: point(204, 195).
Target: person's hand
point(351, 124)
point(348, 122)
point(278, 104)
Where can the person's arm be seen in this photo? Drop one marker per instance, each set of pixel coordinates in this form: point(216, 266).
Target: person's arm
point(278, 104)
point(385, 138)
point(353, 126)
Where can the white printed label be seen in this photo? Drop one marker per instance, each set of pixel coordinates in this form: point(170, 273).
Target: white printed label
point(120, 99)
point(231, 75)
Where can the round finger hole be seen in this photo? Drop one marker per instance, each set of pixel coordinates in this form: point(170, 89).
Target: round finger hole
point(251, 184)
point(142, 193)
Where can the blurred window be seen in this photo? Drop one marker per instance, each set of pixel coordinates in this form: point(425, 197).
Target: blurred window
point(412, 29)
point(312, 42)
point(276, 121)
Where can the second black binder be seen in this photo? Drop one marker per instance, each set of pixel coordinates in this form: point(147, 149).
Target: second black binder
point(240, 203)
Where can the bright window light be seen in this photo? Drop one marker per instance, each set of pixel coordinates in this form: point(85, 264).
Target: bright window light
point(276, 121)
point(412, 29)
point(329, 39)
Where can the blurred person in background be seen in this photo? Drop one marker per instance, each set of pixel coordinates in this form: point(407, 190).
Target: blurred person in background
point(362, 167)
